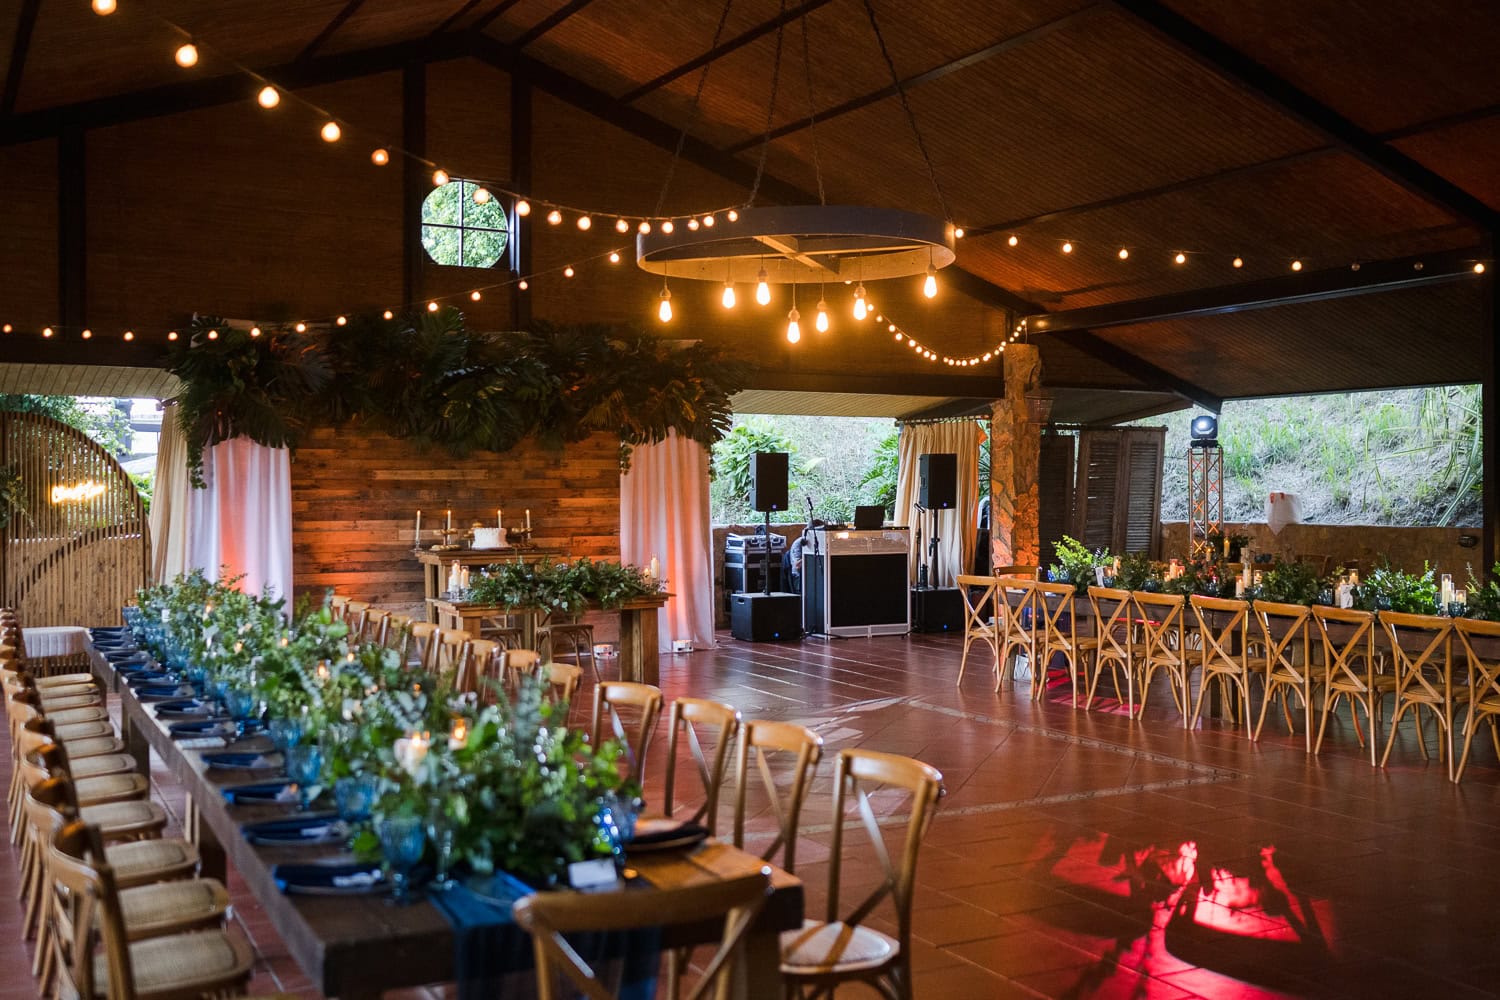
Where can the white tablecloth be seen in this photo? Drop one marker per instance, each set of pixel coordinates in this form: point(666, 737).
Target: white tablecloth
point(56, 640)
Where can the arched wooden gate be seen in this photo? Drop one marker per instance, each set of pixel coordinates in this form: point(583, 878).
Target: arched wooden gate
point(76, 546)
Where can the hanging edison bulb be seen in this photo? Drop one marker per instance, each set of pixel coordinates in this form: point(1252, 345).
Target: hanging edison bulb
point(793, 328)
point(929, 284)
point(822, 321)
point(664, 311)
point(860, 306)
point(762, 289)
point(728, 298)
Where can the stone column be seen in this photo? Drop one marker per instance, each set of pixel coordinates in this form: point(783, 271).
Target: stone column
point(1015, 452)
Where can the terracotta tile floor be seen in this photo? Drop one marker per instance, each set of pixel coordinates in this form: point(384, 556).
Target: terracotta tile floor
point(1081, 855)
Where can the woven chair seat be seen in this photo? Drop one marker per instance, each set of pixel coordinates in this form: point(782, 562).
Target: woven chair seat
point(111, 788)
point(183, 964)
point(66, 701)
point(167, 907)
point(140, 862)
point(121, 820)
point(100, 764)
point(94, 729)
point(65, 680)
point(53, 692)
point(92, 746)
point(819, 948)
point(72, 716)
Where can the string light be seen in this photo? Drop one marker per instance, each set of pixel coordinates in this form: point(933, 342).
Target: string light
point(7, 328)
point(439, 177)
point(300, 328)
point(1478, 269)
point(523, 284)
point(728, 297)
point(621, 226)
point(475, 296)
point(187, 55)
point(861, 308)
point(958, 233)
point(1181, 258)
point(693, 225)
point(1014, 239)
point(793, 328)
point(380, 157)
point(129, 335)
point(342, 321)
point(708, 220)
point(1239, 262)
point(172, 335)
point(88, 334)
point(523, 208)
point(584, 222)
point(1067, 248)
point(1124, 254)
point(929, 284)
point(643, 228)
point(1296, 265)
point(104, 7)
point(568, 271)
point(388, 314)
point(733, 216)
point(614, 257)
point(822, 321)
point(667, 226)
point(212, 334)
point(762, 290)
point(664, 311)
point(554, 217)
point(482, 196)
point(331, 132)
point(46, 331)
point(432, 307)
point(268, 97)
point(255, 331)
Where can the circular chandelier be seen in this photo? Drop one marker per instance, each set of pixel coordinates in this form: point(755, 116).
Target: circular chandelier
point(802, 244)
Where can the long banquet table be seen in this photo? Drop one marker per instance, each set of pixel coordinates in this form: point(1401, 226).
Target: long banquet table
point(358, 946)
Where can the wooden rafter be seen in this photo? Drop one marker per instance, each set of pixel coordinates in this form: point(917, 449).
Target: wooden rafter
point(347, 11)
point(20, 46)
point(551, 21)
point(485, 20)
point(458, 15)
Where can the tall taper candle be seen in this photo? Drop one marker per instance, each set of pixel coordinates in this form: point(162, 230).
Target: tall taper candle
point(528, 518)
point(417, 541)
point(500, 518)
point(450, 518)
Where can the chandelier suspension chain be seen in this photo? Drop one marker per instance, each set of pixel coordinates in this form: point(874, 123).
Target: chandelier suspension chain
point(694, 109)
point(812, 114)
point(765, 145)
point(906, 106)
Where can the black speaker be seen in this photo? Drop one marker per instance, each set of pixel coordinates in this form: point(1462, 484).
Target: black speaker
point(768, 486)
point(937, 481)
point(936, 609)
point(765, 617)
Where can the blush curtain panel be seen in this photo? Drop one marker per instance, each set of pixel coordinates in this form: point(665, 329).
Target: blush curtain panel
point(169, 501)
point(241, 522)
point(664, 514)
point(956, 528)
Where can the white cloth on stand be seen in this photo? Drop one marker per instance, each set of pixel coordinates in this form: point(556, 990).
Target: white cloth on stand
point(241, 522)
point(1282, 509)
point(664, 514)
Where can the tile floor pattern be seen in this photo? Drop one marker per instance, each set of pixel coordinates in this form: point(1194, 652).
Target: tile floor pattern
point(1081, 855)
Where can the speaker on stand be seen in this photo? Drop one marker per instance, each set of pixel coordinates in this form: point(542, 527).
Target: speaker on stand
point(767, 616)
point(935, 608)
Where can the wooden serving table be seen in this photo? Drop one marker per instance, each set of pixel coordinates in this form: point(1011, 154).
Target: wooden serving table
point(358, 946)
point(640, 657)
point(435, 563)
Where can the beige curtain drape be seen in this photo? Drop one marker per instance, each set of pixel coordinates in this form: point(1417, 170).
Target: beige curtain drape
point(169, 501)
point(956, 528)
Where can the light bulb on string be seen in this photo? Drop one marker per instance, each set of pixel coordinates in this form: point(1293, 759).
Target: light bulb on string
point(439, 177)
point(614, 257)
point(482, 196)
point(554, 217)
point(667, 226)
point(255, 331)
point(523, 208)
point(300, 328)
point(104, 7)
point(860, 308)
point(432, 307)
point(7, 328)
point(212, 334)
point(821, 323)
point(958, 232)
point(1479, 267)
point(708, 220)
point(929, 283)
point(388, 314)
point(523, 284)
point(1239, 262)
point(331, 132)
point(1067, 248)
point(793, 328)
point(728, 297)
point(186, 55)
point(342, 321)
point(733, 216)
point(693, 225)
point(1014, 239)
point(46, 331)
point(1296, 265)
point(621, 226)
point(172, 335)
point(585, 223)
point(1124, 254)
point(380, 157)
point(268, 97)
point(475, 295)
point(664, 311)
point(762, 289)
point(88, 334)
point(568, 271)
point(129, 335)
point(1181, 258)
point(644, 227)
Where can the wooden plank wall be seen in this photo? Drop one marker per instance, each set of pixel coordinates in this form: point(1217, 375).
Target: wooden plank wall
point(355, 496)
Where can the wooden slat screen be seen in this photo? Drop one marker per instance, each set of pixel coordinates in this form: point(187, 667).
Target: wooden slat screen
point(1140, 530)
point(80, 548)
point(1117, 503)
point(1098, 486)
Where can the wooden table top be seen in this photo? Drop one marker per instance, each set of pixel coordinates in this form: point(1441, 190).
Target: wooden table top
point(634, 604)
point(483, 557)
point(354, 945)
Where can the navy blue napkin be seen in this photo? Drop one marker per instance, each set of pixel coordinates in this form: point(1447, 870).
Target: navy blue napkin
point(354, 877)
point(202, 727)
point(488, 944)
point(243, 758)
point(260, 793)
point(314, 828)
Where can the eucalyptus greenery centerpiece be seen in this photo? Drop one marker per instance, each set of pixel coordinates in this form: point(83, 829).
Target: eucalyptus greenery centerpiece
point(1386, 588)
point(1288, 583)
point(1484, 598)
point(519, 790)
point(1077, 565)
point(560, 588)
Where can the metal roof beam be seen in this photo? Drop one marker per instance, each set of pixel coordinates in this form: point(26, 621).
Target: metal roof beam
point(1238, 68)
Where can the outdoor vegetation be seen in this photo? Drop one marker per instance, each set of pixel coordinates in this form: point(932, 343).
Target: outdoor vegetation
point(1402, 457)
point(840, 462)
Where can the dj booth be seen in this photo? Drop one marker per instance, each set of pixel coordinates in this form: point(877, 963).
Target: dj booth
point(856, 583)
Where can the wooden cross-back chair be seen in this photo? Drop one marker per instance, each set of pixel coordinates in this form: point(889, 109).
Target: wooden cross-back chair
point(474, 664)
point(562, 683)
point(1116, 645)
point(1055, 606)
point(86, 914)
point(395, 633)
point(1484, 683)
point(339, 606)
point(548, 916)
point(1017, 624)
point(1290, 665)
point(420, 647)
point(445, 652)
point(645, 699)
point(377, 620)
point(982, 617)
point(1164, 647)
point(685, 718)
point(774, 742)
point(822, 955)
point(1349, 665)
point(1424, 679)
point(1223, 652)
point(356, 615)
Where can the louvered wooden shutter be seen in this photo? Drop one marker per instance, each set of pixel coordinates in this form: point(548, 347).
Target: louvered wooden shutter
point(1098, 487)
point(1117, 503)
point(1139, 528)
point(1055, 492)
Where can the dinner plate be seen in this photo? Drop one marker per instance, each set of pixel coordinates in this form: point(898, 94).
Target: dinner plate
point(658, 833)
point(322, 879)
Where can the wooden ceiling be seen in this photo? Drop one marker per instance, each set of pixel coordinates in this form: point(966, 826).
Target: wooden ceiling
point(1331, 132)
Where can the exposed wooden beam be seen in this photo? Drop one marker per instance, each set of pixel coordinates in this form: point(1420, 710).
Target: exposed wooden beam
point(724, 48)
point(1153, 376)
point(864, 383)
point(456, 16)
point(1311, 286)
point(72, 232)
point(1238, 68)
point(415, 180)
point(192, 95)
point(929, 76)
point(551, 21)
point(20, 45)
point(486, 20)
point(65, 348)
point(345, 12)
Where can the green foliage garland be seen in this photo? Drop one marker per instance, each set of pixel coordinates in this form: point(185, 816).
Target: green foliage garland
point(561, 588)
point(435, 381)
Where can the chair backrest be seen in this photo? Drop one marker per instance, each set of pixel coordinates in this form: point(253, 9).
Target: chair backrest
point(396, 633)
point(445, 656)
point(1018, 594)
point(645, 699)
point(1113, 624)
point(339, 606)
point(1055, 612)
point(980, 609)
point(775, 742)
point(1161, 624)
point(562, 682)
point(476, 662)
point(547, 916)
point(686, 717)
point(85, 913)
point(1484, 672)
point(1435, 634)
point(1026, 572)
point(423, 640)
point(1221, 621)
point(1349, 657)
point(356, 614)
point(518, 663)
point(857, 772)
point(377, 620)
point(1284, 627)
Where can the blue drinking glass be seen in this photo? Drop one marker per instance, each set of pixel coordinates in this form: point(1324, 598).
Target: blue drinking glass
point(304, 765)
point(356, 796)
point(441, 831)
point(241, 705)
point(402, 839)
point(285, 733)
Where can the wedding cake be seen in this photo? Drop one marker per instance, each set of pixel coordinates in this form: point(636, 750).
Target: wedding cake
point(489, 538)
